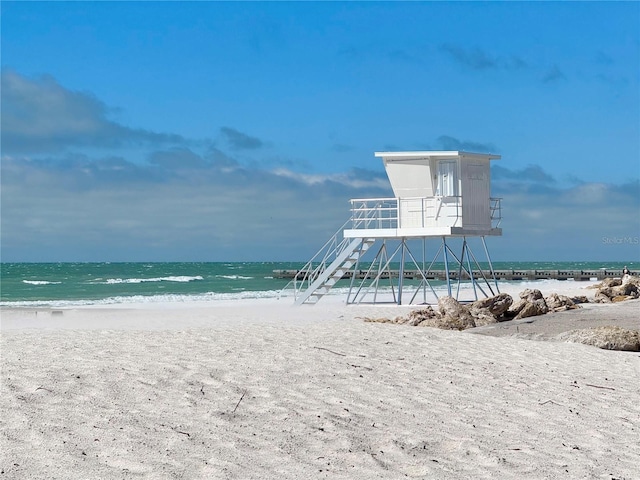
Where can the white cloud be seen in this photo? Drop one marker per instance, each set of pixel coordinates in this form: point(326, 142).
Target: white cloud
point(110, 209)
point(591, 194)
point(80, 211)
point(570, 223)
point(348, 179)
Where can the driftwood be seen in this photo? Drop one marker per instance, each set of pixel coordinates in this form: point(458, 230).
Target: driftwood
point(599, 386)
point(331, 351)
point(238, 404)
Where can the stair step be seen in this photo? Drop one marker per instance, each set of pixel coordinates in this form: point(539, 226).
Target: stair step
point(343, 262)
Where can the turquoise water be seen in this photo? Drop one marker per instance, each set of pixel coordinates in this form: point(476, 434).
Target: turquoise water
point(27, 284)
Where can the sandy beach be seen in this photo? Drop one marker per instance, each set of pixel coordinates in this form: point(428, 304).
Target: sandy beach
point(261, 389)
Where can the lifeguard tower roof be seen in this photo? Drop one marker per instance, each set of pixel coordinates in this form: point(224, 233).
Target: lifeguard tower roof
point(436, 154)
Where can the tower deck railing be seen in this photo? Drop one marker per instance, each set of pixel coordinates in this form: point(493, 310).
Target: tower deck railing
point(374, 213)
point(383, 213)
point(495, 206)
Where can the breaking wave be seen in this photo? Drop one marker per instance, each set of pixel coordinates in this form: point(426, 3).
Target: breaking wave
point(181, 279)
point(148, 299)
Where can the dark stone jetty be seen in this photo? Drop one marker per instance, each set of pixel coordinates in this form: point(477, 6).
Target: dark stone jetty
point(579, 275)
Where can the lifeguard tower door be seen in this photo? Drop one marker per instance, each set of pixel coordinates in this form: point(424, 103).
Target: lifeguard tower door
point(476, 204)
point(447, 178)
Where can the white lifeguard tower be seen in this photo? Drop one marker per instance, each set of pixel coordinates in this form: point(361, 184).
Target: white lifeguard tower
point(438, 195)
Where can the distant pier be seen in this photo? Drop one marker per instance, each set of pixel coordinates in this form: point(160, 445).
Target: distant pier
point(578, 275)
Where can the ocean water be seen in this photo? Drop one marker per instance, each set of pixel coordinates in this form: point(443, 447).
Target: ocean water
point(69, 284)
point(59, 284)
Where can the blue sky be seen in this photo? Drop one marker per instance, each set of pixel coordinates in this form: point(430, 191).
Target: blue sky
point(240, 130)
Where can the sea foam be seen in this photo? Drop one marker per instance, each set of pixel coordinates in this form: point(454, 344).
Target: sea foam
point(148, 299)
point(183, 279)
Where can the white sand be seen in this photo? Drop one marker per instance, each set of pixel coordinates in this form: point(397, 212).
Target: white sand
point(264, 390)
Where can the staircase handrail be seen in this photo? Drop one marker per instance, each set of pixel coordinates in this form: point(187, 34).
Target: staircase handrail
point(308, 274)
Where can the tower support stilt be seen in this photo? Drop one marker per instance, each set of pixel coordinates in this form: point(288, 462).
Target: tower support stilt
point(415, 280)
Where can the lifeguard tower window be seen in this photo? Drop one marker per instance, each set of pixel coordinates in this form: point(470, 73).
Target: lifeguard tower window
point(447, 179)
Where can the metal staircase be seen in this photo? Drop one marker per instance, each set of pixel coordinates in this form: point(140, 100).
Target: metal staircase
point(347, 253)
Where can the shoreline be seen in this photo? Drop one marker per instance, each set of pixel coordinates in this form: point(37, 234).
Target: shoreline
point(201, 312)
point(213, 298)
point(281, 311)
